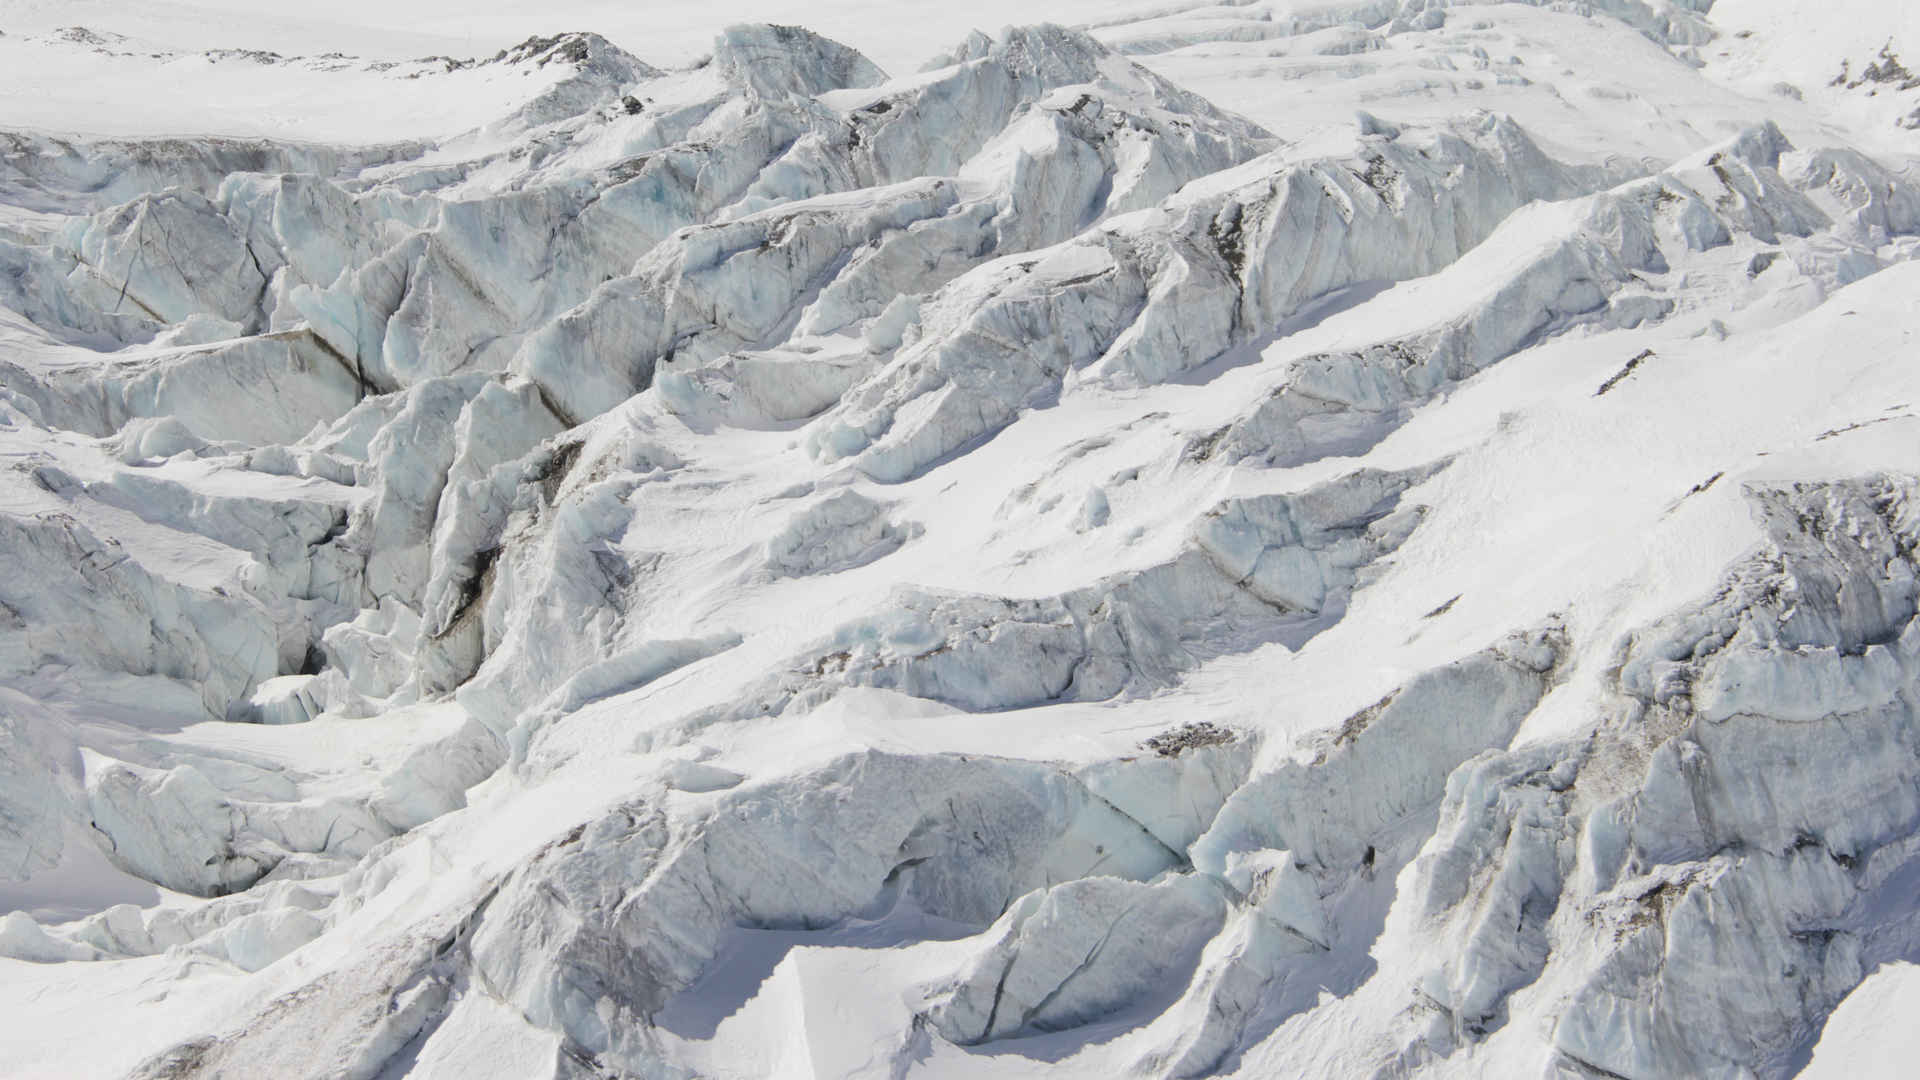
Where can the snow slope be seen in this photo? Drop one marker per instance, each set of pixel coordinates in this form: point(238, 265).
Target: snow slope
point(1356, 538)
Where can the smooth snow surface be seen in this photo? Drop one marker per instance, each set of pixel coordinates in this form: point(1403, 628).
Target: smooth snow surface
point(1335, 538)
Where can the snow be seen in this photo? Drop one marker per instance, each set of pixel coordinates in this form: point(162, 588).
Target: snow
point(1868, 1036)
point(1337, 538)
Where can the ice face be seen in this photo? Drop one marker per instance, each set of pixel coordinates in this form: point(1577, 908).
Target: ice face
point(763, 568)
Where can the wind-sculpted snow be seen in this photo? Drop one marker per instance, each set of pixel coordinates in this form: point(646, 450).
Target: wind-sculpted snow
point(767, 568)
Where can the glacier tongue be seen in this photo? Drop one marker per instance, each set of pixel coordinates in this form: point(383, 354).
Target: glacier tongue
point(764, 568)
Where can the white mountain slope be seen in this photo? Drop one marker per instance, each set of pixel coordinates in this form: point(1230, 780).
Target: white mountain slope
point(1361, 538)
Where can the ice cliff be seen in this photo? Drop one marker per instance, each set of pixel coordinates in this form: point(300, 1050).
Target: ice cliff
point(763, 567)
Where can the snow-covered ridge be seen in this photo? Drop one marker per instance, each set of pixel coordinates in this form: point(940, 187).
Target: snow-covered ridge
point(304, 97)
point(769, 568)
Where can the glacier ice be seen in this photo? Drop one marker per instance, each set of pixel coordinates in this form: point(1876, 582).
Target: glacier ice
point(757, 566)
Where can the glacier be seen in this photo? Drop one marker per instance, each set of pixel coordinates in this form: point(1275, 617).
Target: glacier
point(1347, 538)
